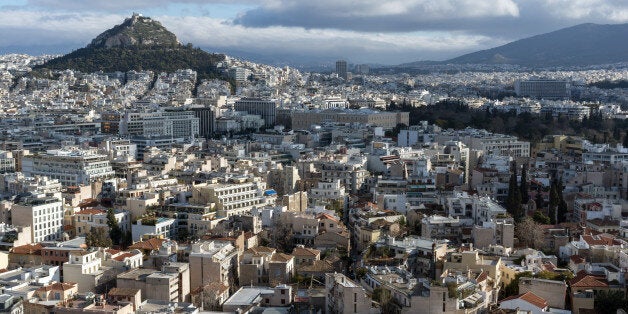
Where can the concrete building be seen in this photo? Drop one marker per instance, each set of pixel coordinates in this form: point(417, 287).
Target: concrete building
point(86, 269)
point(170, 284)
point(341, 69)
point(170, 123)
point(303, 120)
point(212, 262)
point(7, 162)
point(248, 297)
point(267, 109)
point(230, 198)
point(160, 227)
point(344, 295)
point(70, 166)
point(43, 213)
point(543, 88)
point(553, 291)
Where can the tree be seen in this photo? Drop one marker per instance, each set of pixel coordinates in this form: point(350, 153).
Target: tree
point(115, 233)
point(541, 218)
point(98, 237)
point(127, 239)
point(529, 233)
point(513, 200)
point(562, 204)
point(539, 200)
point(610, 301)
point(524, 184)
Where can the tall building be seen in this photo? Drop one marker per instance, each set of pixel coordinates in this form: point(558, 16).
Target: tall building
point(43, 213)
point(341, 69)
point(543, 89)
point(207, 119)
point(267, 109)
point(69, 166)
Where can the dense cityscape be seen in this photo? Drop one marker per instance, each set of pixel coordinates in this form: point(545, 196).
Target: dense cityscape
point(250, 188)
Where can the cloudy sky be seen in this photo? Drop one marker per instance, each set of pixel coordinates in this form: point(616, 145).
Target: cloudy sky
point(361, 31)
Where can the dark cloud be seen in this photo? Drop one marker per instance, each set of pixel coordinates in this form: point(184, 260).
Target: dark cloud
point(507, 19)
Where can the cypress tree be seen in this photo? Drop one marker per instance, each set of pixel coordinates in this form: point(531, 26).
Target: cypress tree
point(524, 184)
point(513, 200)
point(115, 233)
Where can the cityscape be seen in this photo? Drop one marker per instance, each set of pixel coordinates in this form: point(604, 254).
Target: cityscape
point(143, 174)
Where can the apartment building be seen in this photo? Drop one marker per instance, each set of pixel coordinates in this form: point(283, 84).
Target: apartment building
point(43, 213)
point(344, 295)
point(212, 261)
point(230, 198)
point(69, 166)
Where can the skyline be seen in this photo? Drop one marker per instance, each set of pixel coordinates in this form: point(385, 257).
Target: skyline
point(366, 32)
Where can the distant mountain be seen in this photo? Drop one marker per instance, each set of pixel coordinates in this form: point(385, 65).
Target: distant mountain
point(139, 43)
point(580, 45)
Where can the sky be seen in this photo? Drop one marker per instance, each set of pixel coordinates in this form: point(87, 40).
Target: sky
point(359, 31)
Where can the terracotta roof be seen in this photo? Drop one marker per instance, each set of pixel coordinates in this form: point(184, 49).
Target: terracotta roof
point(57, 286)
point(577, 259)
point(318, 267)
point(28, 249)
point(150, 244)
point(326, 216)
point(482, 276)
point(597, 240)
point(123, 291)
point(260, 250)
point(281, 257)
point(583, 279)
point(301, 251)
point(90, 211)
point(529, 297)
point(122, 256)
point(112, 251)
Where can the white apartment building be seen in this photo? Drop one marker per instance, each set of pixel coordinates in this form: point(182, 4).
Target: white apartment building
point(69, 166)
point(43, 213)
point(84, 268)
point(230, 198)
point(154, 227)
point(327, 190)
point(7, 162)
point(171, 123)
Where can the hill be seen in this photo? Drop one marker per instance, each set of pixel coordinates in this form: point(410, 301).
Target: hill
point(139, 43)
point(580, 45)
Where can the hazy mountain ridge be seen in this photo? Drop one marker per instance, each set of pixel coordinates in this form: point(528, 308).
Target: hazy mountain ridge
point(580, 45)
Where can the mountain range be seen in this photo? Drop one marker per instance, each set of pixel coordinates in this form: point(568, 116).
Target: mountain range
point(580, 45)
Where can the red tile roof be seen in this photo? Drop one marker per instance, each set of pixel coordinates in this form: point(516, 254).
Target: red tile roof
point(58, 286)
point(122, 256)
point(28, 249)
point(577, 259)
point(90, 211)
point(529, 297)
point(150, 244)
point(585, 280)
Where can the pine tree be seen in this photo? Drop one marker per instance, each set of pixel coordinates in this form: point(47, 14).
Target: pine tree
point(524, 184)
